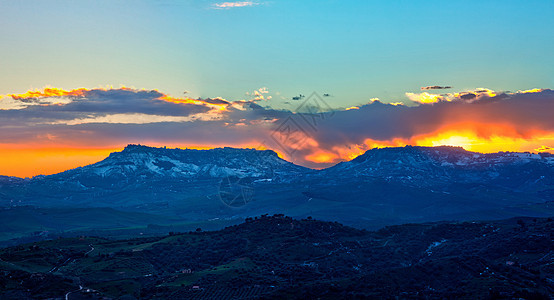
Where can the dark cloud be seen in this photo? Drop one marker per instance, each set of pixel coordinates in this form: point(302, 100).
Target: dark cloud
point(520, 115)
point(129, 101)
point(435, 87)
point(246, 123)
point(467, 96)
point(112, 101)
point(215, 101)
point(379, 121)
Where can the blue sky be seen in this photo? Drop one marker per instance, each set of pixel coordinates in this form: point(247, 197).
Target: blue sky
point(495, 57)
point(353, 50)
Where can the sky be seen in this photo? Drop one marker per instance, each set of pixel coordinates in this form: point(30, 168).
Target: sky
point(317, 81)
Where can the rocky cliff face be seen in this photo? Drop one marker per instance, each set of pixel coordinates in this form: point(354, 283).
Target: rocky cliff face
point(432, 166)
point(139, 163)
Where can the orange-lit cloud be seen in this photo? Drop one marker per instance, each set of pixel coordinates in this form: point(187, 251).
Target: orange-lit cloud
point(425, 97)
point(47, 96)
point(20, 101)
point(428, 98)
point(531, 91)
point(488, 122)
point(216, 103)
point(544, 148)
point(50, 92)
point(104, 119)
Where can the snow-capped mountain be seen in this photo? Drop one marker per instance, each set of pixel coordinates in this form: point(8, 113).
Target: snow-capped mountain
point(139, 163)
point(428, 158)
point(429, 166)
point(141, 175)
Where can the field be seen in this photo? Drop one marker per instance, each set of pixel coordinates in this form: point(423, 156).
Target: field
point(277, 256)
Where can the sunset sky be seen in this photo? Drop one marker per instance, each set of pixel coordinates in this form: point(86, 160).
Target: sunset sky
point(81, 79)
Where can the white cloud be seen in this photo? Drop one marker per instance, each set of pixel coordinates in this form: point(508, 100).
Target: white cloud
point(138, 118)
point(234, 4)
point(9, 103)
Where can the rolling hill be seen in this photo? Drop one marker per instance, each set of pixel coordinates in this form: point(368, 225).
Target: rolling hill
point(278, 257)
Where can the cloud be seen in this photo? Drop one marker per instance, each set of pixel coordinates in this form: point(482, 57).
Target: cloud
point(531, 91)
point(25, 117)
point(50, 92)
point(467, 96)
point(428, 98)
point(435, 87)
point(480, 120)
point(47, 96)
point(425, 97)
point(544, 149)
point(110, 100)
point(137, 119)
point(259, 94)
point(234, 4)
point(504, 122)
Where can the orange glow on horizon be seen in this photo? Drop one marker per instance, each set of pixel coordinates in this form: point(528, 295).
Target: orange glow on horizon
point(484, 139)
point(477, 133)
point(322, 157)
point(29, 162)
point(219, 107)
point(32, 160)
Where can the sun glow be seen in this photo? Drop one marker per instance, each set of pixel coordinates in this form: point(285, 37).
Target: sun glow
point(475, 128)
point(322, 157)
point(471, 142)
point(31, 161)
point(220, 106)
point(467, 139)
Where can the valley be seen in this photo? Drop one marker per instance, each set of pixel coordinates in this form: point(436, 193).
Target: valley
point(269, 257)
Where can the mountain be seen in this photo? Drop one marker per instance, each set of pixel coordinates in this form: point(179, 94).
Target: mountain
point(424, 166)
point(438, 183)
point(142, 176)
point(140, 163)
point(278, 257)
point(381, 187)
point(444, 168)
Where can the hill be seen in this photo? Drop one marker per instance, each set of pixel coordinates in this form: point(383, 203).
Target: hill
point(281, 257)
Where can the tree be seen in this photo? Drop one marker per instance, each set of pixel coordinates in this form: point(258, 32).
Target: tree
point(521, 223)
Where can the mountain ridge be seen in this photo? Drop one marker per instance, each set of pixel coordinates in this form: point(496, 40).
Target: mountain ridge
point(217, 162)
point(383, 186)
point(444, 153)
